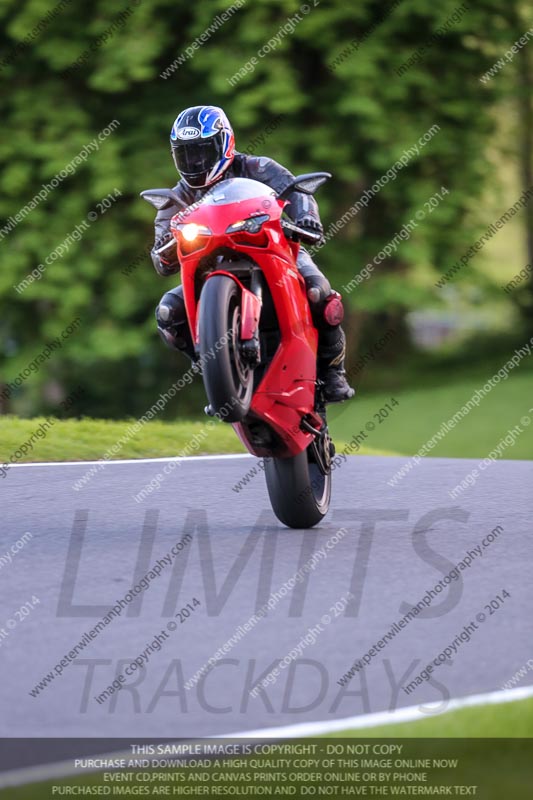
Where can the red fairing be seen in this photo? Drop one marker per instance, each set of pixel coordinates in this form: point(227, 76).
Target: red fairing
point(287, 390)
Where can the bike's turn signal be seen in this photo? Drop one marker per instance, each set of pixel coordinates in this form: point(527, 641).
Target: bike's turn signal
point(250, 225)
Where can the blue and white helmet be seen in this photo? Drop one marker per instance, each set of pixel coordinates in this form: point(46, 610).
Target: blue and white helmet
point(202, 145)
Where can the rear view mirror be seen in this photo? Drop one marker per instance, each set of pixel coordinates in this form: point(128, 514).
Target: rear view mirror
point(162, 198)
point(307, 183)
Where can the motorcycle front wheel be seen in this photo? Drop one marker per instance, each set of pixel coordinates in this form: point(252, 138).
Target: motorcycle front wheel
point(228, 380)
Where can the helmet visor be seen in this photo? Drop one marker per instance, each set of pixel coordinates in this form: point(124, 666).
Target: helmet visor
point(196, 158)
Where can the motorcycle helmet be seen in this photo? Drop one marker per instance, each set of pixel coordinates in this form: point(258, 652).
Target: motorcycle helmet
point(202, 145)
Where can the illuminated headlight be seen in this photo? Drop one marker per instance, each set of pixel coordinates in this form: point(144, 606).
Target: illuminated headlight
point(250, 225)
point(190, 230)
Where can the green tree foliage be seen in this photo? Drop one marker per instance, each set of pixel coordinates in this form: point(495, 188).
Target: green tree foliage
point(326, 95)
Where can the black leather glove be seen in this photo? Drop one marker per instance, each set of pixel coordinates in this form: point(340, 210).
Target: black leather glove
point(166, 261)
point(168, 254)
point(311, 224)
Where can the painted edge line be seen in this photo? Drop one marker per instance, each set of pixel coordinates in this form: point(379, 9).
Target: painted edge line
point(215, 456)
point(378, 718)
point(65, 769)
point(118, 461)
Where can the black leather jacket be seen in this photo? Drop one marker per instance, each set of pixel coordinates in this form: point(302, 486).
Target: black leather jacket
point(261, 169)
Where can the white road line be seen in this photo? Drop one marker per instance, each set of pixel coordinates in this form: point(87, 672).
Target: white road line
point(407, 714)
point(65, 769)
point(112, 463)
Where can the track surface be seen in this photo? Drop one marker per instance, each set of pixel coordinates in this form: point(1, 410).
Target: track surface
point(399, 543)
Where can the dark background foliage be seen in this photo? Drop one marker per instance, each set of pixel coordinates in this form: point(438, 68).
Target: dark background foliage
point(332, 85)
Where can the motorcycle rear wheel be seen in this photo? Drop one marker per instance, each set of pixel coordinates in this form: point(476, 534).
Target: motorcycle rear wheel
point(228, 380)
point(299, 491)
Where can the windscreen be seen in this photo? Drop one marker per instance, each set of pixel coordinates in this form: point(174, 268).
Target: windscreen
point(235, 190)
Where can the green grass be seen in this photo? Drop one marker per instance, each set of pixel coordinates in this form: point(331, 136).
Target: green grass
point(504, 770)
point(421, 412)
point(417, 417)
point(89, 439)
point(504, 721)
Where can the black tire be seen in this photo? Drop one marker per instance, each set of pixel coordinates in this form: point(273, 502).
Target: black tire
point(299, 492)
point(227, 379)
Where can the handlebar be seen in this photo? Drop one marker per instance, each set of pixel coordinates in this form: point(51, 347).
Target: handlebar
point(167, 246)
point(300, 234)
point(295, 233)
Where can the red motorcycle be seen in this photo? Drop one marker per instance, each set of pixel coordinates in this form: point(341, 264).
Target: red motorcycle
point(250, 321)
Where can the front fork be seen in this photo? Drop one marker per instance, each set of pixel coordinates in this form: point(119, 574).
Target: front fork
point(251, 347)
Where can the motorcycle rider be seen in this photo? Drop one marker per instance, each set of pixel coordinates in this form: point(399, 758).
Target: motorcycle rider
point(203, 148)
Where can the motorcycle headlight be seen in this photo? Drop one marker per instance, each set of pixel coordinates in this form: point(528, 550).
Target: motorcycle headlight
point(250, 225)
point(190, 230)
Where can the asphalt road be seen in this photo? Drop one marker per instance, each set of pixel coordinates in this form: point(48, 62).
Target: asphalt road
point(89, 547)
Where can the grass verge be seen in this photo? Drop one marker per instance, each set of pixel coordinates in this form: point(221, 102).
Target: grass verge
point(399, 430)
point(420, 413)
point(90, 439)
point(498, 721)
point(504, 769)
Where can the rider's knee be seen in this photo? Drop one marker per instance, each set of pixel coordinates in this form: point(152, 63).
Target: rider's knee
point(172, 322)
point(318, 288)
point(326, 305)
point(171, 310)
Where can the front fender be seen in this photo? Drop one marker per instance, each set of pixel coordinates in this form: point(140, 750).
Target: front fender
point(250, 306)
